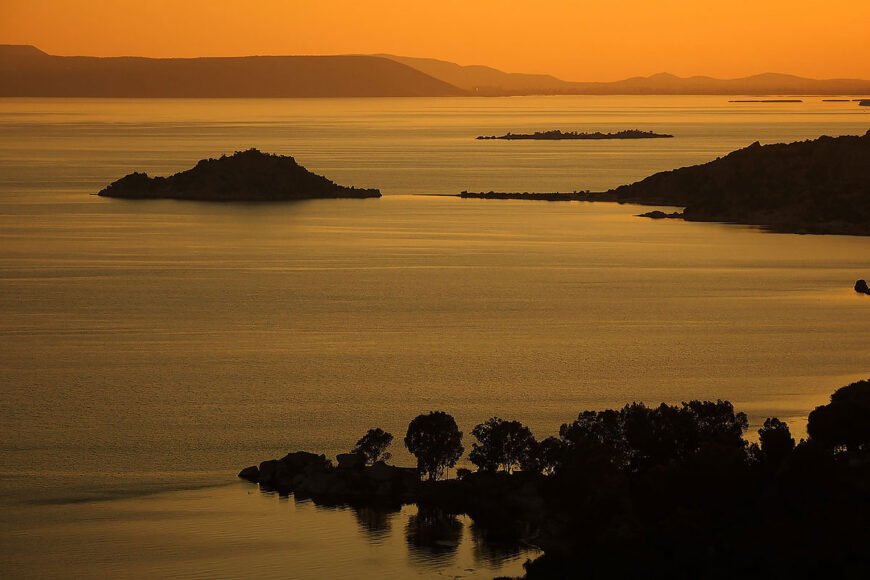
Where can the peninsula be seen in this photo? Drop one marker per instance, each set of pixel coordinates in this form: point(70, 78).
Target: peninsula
point(244, 176)
point(559, 135)
point(821, 186)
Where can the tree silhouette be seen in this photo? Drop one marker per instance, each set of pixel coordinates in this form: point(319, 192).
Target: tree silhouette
point(543, 456)
point(776, 440)
point(845, 422)
point(373, 445)
point(436, 441)
point(501, 444)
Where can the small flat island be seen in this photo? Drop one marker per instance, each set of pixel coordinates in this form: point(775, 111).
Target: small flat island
point(534, 196)
point(574, 135)
point(244, 176)
point(766, 101)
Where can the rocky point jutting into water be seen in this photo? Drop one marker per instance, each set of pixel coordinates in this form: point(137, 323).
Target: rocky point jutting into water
point(820, 186)
point(244, 176)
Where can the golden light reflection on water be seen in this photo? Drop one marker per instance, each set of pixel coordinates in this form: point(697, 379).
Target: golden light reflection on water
point(146, 343)
point(236, 531)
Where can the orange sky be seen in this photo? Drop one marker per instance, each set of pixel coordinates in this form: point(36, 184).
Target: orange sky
point(573, 39)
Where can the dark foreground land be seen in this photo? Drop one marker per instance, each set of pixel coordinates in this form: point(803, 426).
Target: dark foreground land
point(638, 492)
point(244, 176)
point(813, 187)
point(569, 135)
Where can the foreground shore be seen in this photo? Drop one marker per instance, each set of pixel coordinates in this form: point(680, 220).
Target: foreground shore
point(676, 489)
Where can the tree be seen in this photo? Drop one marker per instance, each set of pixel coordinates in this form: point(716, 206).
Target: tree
point(544, 456)
point(373, 445)
point(638, 438)
point(436, 441)
point(501, 444)
point(845, 422)
point(776, 440)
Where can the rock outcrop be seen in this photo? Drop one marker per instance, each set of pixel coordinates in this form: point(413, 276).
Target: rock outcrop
point(310, 475)
point(244, 176)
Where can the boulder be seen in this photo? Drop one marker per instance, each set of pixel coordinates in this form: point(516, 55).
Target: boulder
point(861, 287)
point(286, 477)
point(251, 473)
point(267, 471)
point(301, 461)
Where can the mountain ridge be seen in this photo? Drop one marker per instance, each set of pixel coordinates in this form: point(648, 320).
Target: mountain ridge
point(489, 81)
point(27, 71)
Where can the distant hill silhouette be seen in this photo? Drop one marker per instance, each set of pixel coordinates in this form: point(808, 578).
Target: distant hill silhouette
point(26, 71)
point(484, 80)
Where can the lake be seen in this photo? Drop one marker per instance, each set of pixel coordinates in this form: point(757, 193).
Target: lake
point(149, 350)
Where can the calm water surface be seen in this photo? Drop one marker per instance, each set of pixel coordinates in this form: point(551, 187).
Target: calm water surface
point(147, 347)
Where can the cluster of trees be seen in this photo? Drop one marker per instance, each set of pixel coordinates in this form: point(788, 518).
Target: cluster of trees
point(633, 439)
point(672, 488)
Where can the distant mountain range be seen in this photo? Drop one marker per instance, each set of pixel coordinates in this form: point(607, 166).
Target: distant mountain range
point(26, 71)
point(484, 80)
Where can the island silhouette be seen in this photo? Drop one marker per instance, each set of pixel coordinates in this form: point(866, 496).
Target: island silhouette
point(672, 488)
point(244, 176)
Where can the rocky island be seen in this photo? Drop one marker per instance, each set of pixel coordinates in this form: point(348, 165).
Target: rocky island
point(559, 135)
point(672, 488)
point(244, 176)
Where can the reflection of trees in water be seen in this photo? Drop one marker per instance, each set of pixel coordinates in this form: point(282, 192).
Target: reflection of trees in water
point(433, 536)
point(375, 522)
point(493, 547)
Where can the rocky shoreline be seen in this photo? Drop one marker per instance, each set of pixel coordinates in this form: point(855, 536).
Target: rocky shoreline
point(510, 505)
